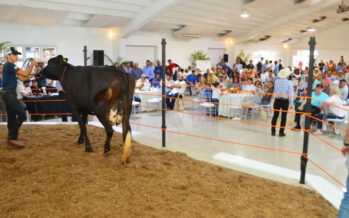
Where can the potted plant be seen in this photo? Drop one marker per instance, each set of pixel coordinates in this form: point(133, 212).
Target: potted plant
point(2, 46)
point(198, 56)
point(243, 56)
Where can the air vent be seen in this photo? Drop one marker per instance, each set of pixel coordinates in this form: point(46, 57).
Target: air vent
point(264, 38)
point(226, 32)
point(303, 31)
point(316, 20)
point(287, 40)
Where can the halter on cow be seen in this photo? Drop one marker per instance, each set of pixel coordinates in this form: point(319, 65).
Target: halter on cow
point(106, 92)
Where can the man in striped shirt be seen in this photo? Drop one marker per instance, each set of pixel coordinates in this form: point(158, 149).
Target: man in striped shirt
point(283, 90)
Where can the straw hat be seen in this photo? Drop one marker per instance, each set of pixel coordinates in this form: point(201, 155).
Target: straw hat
point(284, 73)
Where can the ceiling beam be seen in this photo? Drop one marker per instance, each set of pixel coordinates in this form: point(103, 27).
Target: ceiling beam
point(146, 15)
point(64, 7)
point(289, 17)
point(98, 4)
point(132, 2)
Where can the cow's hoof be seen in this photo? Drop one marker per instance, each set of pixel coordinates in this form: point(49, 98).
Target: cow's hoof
point(125, 162)
point(88, 149)
point(80, 141)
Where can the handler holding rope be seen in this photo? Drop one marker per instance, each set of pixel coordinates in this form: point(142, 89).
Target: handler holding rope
point(15, 112)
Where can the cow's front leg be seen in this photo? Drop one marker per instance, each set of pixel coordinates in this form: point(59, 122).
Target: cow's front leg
point(83, 130)
point(81, 137)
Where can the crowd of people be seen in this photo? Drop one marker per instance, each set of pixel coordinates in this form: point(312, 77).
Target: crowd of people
point(329, 84)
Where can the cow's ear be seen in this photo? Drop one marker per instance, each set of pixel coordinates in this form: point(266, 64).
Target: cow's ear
point(65, 60)
point(59, 57)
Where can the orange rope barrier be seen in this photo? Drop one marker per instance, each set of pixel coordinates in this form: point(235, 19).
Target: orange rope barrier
point(247, 145)
point(327, 173)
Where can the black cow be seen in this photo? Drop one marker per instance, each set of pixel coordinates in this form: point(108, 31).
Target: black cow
point(106, 92)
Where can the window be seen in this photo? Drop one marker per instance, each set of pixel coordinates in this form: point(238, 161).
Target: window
point(49, 52)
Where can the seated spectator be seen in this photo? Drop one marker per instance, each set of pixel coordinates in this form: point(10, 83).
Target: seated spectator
point(216, 92)
point(344, 89)
point(50, 88)
point(317, 81)
point(332, 112)
point(136, 72)
point(191, 81)
point(35, 89)
point(317, 98)
point(128, 68)
point(156, 83)
point(222, 82)
point(326, 86)
point(236, 83)
point(211, 78)
point(25, 89)
point(268, 89)
point(249, 87)
point(340, 75)
point(270, 76)
point(143, 83)
point(178, 88)
point(158, 68)
point(169, 82)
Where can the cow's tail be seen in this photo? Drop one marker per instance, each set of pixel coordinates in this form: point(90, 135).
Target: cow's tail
point(127, 130)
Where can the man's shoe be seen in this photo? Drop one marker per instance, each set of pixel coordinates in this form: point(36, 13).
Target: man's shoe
point(273, 133)
point(297, 128)
point(282, 134)
point(16, 143)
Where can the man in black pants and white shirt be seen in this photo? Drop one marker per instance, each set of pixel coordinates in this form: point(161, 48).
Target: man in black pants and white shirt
point(15, 112)
point(283, 90)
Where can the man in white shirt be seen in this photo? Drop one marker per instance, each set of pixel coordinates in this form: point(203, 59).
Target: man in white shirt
point(344, 89)
point(143, 83)
point(178, 88)
point(270, 76)
point(249, 87)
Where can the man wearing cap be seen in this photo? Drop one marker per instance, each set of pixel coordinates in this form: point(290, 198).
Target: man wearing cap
point(15, 112)
point(317, 98)
point(283, 90)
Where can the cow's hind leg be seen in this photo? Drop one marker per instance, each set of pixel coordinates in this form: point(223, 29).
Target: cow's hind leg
point(83, 130)
point(108, 129)
point(81, 137)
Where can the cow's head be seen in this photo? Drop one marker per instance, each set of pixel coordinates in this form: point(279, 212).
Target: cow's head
point(54, 68)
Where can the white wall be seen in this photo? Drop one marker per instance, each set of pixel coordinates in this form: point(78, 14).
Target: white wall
point(331, 43)
point(69, 40)
point(178, 50)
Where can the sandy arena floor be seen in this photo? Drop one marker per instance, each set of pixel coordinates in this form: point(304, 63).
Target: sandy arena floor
point(54, 177)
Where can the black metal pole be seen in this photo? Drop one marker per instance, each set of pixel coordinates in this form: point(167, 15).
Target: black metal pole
point(85, 55)
point(307, 110)
point(163, 43)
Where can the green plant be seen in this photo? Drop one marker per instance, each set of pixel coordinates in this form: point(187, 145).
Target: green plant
point(118, 60)
point(198, 56)
point(243, 56)
point(2, 46)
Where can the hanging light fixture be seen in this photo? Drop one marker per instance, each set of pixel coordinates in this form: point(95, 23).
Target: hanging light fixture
point(244, 13)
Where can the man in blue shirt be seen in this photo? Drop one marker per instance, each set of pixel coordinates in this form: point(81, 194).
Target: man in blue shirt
point(15, 112)
point(317, 98)
point(156, 83)
point(136, 71)
point(158, 68)
point(148, 70)
point(191, 81)
point(224, 65)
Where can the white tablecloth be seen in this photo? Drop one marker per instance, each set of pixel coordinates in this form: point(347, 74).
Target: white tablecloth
point(223, 110)
point(147, 95)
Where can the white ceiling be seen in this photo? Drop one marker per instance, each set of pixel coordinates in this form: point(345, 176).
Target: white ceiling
point(281, 19)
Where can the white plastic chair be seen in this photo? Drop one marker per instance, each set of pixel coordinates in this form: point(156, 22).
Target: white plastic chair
point(154, 102)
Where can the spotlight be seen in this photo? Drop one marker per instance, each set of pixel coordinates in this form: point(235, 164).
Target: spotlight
point(311, 29)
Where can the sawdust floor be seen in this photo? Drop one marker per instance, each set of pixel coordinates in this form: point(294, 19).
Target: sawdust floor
point(54, 177)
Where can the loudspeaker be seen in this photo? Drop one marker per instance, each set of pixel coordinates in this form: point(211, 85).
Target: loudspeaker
point(98, 57)
point(225, 56)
